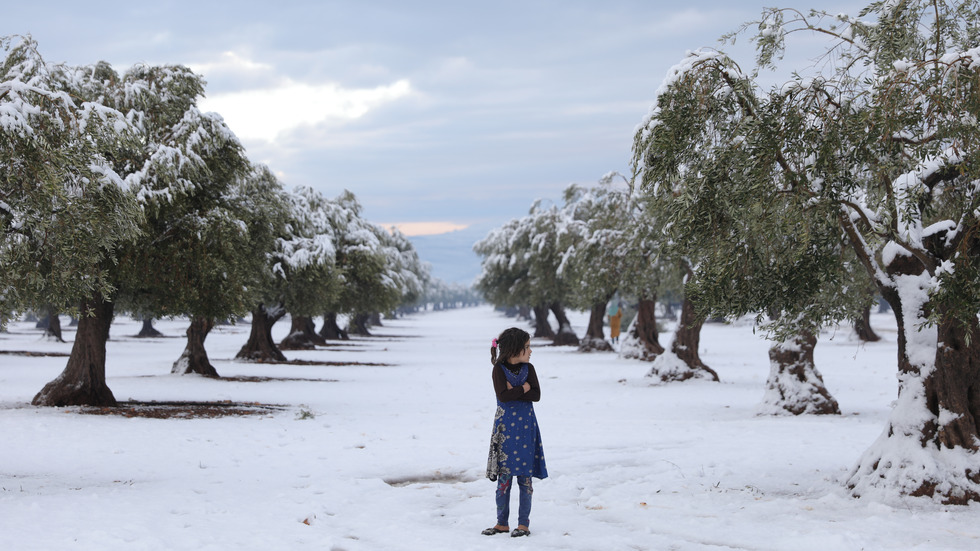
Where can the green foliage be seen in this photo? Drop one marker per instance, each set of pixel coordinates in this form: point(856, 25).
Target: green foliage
point(592, 264)
point(195, 256)
point(522, 259)
point(408, 273)
point(304, 413)
point(602, 239)
point(57, 183)
point(299, 270)
point(368, 285)
point(874, 151)
point(750, 184)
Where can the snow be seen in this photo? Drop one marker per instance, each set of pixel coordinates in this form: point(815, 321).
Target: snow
point(392, 456)
point(667, 367)
point(675, 74)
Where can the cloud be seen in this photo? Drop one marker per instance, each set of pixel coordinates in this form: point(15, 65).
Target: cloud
point(263, 114)
point(229, 62)
point(413, 229)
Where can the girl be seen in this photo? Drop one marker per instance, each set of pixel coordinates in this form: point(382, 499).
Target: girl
point(515, 446)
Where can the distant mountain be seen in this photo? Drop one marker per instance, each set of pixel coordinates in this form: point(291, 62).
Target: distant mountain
point(451, 254)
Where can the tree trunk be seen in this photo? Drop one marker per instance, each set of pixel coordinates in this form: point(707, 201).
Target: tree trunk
point(330, 329)
point(795, 386)
point(953, 390)
point(930, 445)
point(53, 329)
point(594, 339)
point(862, 326)
point(302, 335)
point(542, 329)
point(687, 339)
point(596, 319)
point(375, 319)
point(260, 346)
point(194, 359)
point(149, 331)
point(566, 335)
point(82, 383)
point(935, 419)
point(359, 325)
point(524, 312)
point(642, 340)
point(683, 362)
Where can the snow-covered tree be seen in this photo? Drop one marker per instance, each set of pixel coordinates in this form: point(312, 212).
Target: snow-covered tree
point(619, 243)
point(592, 264)
point(300, 275)
point(724, 212)
point(368, 284)
point(520, 266)
point(880, 142)
point(194, 256)
point(647, 274)
point(504, 279)
point(235, 242)
point(184, 260)
point(443, 295)
point(615, 241)
point(57, 183)
point(408, 272)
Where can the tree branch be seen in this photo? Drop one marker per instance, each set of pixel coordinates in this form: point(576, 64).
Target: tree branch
point(807, 26)
point(749, 108)
point(864, 217)
point(909, 141)
point(860, 248)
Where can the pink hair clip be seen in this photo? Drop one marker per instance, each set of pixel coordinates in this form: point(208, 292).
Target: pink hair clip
point(493, 344)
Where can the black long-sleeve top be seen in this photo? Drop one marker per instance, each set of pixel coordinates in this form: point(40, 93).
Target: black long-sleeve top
point(517, 393)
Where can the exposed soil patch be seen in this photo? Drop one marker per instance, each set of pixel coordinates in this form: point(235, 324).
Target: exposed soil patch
point(340, 344)
point(244, 379)
point(38, 354)
point(183, 410)
point(319, 362)
point(437, 477)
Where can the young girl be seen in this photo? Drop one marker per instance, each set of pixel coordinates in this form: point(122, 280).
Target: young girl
point(515, 446)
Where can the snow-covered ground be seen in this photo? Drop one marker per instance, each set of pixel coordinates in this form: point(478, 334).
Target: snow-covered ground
point(392, 457)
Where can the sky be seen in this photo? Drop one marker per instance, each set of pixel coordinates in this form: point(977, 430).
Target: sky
point(438, 116)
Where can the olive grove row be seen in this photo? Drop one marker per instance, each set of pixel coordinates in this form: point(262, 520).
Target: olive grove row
point(118, 194)
point(858, 174)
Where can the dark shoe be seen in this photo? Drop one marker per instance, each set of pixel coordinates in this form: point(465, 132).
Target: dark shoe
point(518, 533)
point(492, 531)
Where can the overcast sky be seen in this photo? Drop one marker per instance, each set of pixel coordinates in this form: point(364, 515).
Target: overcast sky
point(445, 114)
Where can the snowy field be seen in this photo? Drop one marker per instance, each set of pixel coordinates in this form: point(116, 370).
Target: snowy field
point(392, 457)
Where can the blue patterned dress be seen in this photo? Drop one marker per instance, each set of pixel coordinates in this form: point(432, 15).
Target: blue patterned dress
point(515, 445)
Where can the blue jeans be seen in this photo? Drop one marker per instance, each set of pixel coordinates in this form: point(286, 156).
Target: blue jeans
point(504, 485)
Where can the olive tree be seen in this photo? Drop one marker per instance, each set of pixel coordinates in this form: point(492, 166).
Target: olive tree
point(299, 275)
point(194, 257)
point(520, 266)
point(363, 266)
point(592, 263)
point(880, 142)
point(57, 182)
point(234, 241)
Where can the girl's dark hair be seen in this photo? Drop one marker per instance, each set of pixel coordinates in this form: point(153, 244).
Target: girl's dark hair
point(510, 343)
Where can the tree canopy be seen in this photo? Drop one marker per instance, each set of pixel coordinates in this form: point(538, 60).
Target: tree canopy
point(117, 192)
point(868, 157)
